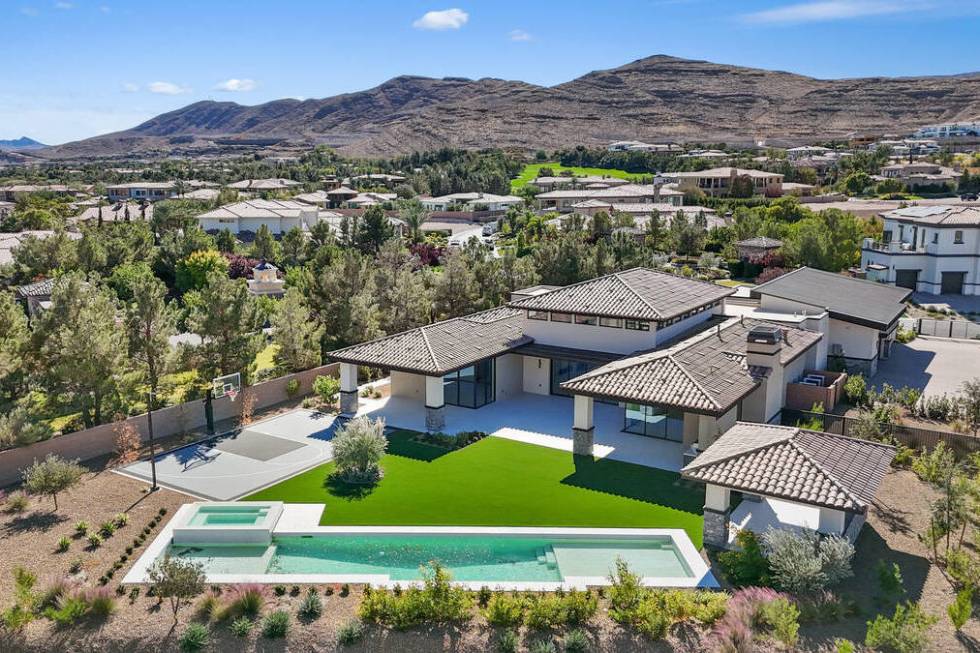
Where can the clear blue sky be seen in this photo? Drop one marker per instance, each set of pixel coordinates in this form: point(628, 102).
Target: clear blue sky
point(78, 68)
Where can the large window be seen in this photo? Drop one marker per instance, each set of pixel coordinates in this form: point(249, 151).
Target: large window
point(655, 422)
point(471, 387)
point(563, 370)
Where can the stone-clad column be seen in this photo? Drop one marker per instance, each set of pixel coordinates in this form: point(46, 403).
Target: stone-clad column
point(348, 389)
point(435, 404)
point(583, 429)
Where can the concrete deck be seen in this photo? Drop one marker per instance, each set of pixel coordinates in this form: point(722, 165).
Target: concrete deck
point(544, 420)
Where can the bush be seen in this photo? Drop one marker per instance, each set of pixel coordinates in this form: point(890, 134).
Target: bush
point(542, 646)
point(856, 389)
point(905, 335)
point(276, 624)
point(64, 544)
point(312, 606)
point(504, 610)
point(95, 540)
point(194, 638)
point(68, 609)
point(292, 387)
point(508, 641)
point(241, 627)
point(935, 466)
point(961, 609)
point(101, 602)
point(437, 601)
point(75, 566)
point(52, 476)
point(17, 502)
point(805, 562)
point(121, 519)
point(747, 565)
point(357, 450)
point(350, 632)
point(107, 529)
point(903, 632)
point(576, 641)
point(81, 528)
point(246, 600)
point(326, 388)
point(784, 619)
point(734, 631)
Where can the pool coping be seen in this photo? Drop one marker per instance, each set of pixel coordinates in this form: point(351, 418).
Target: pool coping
point(292, 525)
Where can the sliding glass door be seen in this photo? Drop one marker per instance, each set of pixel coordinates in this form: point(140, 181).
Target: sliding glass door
point(562, 370)
point(471, 387)
point(655, 422)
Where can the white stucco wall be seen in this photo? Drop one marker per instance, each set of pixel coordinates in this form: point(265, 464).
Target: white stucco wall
point(537, 375)
point(596, 338)
point(857, 341)
point(510, 375)
point(676, 329)
point(404, 384)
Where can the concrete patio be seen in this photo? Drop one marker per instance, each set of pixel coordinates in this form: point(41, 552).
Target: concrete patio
point(544, 420)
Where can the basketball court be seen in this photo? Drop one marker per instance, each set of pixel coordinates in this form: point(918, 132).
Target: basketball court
point(234, 464)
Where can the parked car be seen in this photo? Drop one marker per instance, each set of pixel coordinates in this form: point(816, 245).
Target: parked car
point(969, 197)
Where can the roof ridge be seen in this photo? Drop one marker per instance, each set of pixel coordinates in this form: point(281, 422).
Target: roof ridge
point(788, 438)
point(823, 470)
point(700, 387)
point(619, 277)
point(428, 346)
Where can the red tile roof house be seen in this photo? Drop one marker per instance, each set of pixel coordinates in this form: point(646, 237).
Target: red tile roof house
point(617, 362)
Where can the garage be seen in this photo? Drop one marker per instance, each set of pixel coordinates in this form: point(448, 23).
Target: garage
point(952, 283)
point(907, 279)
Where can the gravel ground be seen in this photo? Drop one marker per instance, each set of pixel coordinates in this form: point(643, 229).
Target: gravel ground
point(30, 539)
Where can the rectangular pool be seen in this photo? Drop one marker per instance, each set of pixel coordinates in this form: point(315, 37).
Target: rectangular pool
point(228, 515)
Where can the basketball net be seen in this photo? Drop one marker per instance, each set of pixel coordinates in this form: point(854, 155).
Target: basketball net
point(232, 394)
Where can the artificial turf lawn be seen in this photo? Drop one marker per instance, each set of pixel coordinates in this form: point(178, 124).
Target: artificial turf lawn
point(531, 170)
point(498, 482)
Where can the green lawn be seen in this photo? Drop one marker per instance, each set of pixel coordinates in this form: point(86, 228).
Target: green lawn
point(530, 172)
point(497, 482)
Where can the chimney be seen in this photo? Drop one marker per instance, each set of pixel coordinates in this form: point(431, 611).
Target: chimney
point(763, 346)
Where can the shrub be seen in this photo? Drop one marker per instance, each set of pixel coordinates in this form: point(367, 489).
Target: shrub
point(176, 579)
point(961, 609)
point(350, 632)
point(68, 609)
point(905, 335)
point(483, 596)
point(241, 627)
point(128, 443)
point(107, 529)
point(626, 594)
point(805, 562)
point(64, 544)
point(81, 528)
point(121, 519)
point(311, 606)
point(95, 540)
point(194, 638)
point(438, 600)
point(246, 599)
point(890, 578)
point(544, 612)
point(292, 387)
point(101, 602)
point(733, 632)
point(903, 632)
point(747, 565)
point(784, 618)
point(542, 646)
point(357, 449)
point(856, 389)
point(935, 466)
point(279, 590)
point(508, 641)
point(844, 646)
point(326, 388)
point(504, 610)
point(824, 607)
point(276, 624)
point(209, 608)
point(17, 502)
point(576, 641)
point(75, 566)
point(52, 476)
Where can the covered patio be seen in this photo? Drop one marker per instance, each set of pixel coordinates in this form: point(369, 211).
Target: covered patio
point(544, 420)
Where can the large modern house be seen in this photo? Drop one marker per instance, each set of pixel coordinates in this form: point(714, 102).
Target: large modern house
point(278, 215)
point(640, 352)
point(932, 249)
point(718, 182)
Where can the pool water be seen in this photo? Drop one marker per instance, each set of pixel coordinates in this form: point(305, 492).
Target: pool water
point(467, 557)
point(228, 516)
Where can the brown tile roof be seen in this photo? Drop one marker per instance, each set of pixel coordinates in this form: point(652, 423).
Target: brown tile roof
point(442, 347)
point(790, 463)
point(639, 293)
point(706, 373)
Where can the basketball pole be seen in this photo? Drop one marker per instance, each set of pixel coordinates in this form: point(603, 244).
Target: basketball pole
point(209, 410)
point(149, 429)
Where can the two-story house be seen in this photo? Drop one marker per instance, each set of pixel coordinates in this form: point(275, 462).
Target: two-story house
point(931, 249)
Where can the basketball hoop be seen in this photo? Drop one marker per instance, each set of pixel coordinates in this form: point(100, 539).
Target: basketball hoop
point(231, 394)
point(229, 385)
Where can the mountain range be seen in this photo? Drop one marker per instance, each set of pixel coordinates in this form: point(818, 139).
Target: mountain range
point(659, 98)
point(22, 143)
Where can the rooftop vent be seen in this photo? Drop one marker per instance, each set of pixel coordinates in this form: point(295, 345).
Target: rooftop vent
point(765, 334)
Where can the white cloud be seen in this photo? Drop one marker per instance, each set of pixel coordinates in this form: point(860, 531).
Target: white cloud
point(236, 85)
point(167, 88)
point(130, 87)
point(519, 35)
point(63, 5)
point(442, 20)
point(28, 11)
point(828, 10)
point(104, 9)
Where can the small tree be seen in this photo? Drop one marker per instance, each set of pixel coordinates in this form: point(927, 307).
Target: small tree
point(960, 610)
point(806, 562)
point(326, 388)
point(51, 476)
point(970, 400)
point(128, 443)
point(176, 579)
point(358, 448)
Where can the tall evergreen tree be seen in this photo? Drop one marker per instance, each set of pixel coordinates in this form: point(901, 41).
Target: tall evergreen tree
point(295, 334)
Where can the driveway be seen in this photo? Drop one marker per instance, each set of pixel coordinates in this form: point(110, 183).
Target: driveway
point(934, 365)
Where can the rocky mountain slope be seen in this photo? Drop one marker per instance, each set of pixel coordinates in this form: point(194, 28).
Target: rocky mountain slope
point(657, 98)
point(22, 143)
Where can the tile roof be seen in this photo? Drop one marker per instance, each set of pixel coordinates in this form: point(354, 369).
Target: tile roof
point(725, 172)
point(259, 208)
point(41, 288)
point(867, 303)
point(760, 241)
point(706, 373)
point(264, 184)
point(966, 216)
point(790, 463)
point(628, 190)
point(638, 293)
point(442, 347)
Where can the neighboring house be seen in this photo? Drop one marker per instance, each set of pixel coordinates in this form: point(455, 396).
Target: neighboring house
point(757, 247)
point(316, 198)
point(759, 476)
point(379, 179)
point(364, 200)
point(806, 151)
point(202, 194)
point(647, 350)
point(118, 212)
point(921, 174)
point(705, 154)
point(933, 249)
point(546, 184)
point(36, 296)
point(338, 196)
point(950, 130)
point(641, 214)
point(142, 190)
point(858, 317)
point(565, 200)
point(9, 242)
point(798, 190)
point(278, 215)
point(264, 185)
point(265, 280)
point(717, 182)
point(470, 202)
point(640, 146)
point(12, 192)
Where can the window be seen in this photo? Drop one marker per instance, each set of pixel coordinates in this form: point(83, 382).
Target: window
point(637, 325)
point(561, 317)
point(886, 237)
point(563, 369)
point(958, 237)
point(614, 322)
point(470, 387)
point(589, 320)
point(655, 422)
point(537, 315)
point(935, 238)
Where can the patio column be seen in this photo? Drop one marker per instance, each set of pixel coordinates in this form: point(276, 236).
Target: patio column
point(348, 389)
point(583, 429)
point(717, 501)
point(435, 404)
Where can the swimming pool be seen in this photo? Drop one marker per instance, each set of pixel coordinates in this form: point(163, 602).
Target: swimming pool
point(229, 515)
